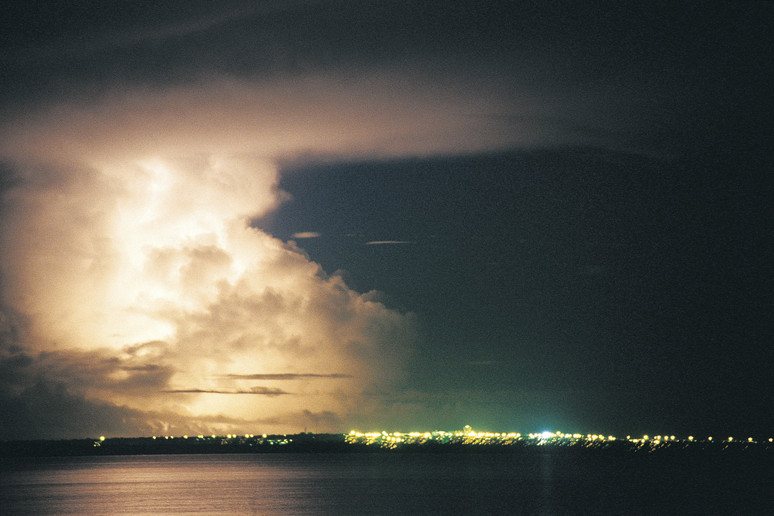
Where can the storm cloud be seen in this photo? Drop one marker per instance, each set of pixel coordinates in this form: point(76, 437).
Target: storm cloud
point(126, 233)
point(143, 143)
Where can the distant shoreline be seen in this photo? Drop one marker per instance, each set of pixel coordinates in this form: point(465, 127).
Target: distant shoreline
point(343, 443)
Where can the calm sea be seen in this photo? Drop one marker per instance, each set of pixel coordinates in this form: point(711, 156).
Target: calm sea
point(364, 483)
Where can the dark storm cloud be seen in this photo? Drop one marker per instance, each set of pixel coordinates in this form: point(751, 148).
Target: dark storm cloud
point(46, 410)
point(42, 396)
point(97, 41)
point(80, 372)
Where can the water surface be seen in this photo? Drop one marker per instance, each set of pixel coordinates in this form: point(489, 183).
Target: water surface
point(365, 483)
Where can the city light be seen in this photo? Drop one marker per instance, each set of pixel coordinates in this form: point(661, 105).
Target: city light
point(468, 436)
point(435, 440)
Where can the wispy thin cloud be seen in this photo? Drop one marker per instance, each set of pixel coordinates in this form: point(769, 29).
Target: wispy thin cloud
point(149, 368)
point(284, 376)
point(262, 391)
point(307, 234)
point(389, 242)
point(111, 39)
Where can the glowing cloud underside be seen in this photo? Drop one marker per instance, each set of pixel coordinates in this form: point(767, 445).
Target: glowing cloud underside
point(154, 264)
point(127, 245)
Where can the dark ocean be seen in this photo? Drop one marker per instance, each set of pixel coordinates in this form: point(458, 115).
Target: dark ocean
point(387, 483)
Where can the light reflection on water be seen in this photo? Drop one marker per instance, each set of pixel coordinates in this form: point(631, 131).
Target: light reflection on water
point(362, 484)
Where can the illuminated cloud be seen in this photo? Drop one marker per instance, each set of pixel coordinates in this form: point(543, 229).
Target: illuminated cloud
point(128, 247)
point(379, 113)
point(262, 391)
point(138, 280)
point(306, 234)
point(285, 376)
point(132, 276)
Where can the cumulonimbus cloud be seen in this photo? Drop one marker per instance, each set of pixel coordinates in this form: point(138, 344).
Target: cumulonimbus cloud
point(146, 278)
point(128, 251)
point(126, 238)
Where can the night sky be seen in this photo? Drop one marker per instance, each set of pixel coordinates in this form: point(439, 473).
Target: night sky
point(223, 217)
